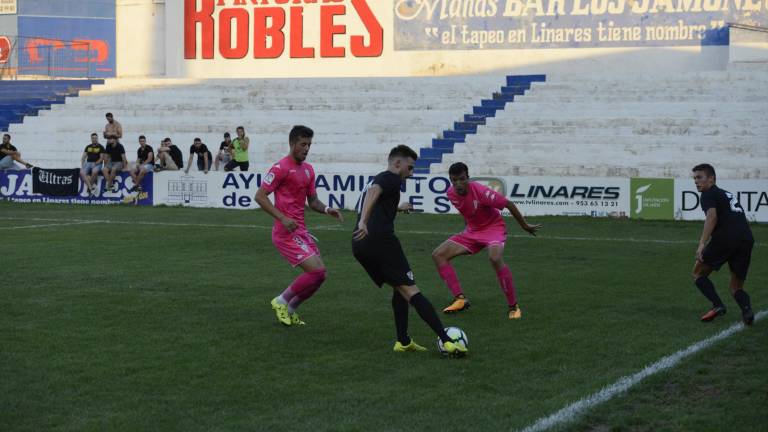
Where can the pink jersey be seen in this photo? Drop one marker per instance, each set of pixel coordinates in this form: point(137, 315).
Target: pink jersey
point(480, 207)
point(292, 184)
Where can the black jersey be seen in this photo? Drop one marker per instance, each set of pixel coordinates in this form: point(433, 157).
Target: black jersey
point(382, 219)
point(731, 224)
point(93, 152)
point(143, 154)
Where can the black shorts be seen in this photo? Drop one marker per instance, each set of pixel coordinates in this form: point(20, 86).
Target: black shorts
point(231, 165)
point(384, 261)
point(737, 254)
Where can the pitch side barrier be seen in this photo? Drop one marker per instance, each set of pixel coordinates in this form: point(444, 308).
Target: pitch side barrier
point(640, 198)
point(636, 198)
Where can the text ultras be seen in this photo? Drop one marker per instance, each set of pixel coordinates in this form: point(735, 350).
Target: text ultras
point(268, 28)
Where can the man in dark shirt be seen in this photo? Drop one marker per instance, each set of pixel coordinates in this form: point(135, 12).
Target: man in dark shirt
point(169, 156)
point(145, 162)
point(114, 163)
point(726, 237)
point(225, 152)
point(91, 163)
point(203, 156)
point(9, 154)
point(378, 250)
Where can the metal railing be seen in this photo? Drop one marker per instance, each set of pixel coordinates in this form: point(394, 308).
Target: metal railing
point(40, 57)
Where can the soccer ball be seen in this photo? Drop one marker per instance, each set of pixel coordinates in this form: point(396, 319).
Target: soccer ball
point(457, 335)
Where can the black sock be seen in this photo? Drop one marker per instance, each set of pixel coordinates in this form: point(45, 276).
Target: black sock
point(708, 289)
point(742, 298)
point(428, 314)
point(400, 308)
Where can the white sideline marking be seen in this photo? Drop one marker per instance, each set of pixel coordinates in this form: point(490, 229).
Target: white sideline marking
point(341, 228)
point(46, 225)
point(577, 408)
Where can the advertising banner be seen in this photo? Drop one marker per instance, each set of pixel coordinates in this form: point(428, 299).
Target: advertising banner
point(598, 197)
point(652, 198)
point(8, 7)
point(17, 186)
point(509, 24)
point(55, 182)
point(751, 194)
point(270, 30)
point(67, 47)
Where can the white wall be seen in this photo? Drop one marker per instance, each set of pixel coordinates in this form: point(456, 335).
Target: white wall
point(140, 38)
point(748, 45)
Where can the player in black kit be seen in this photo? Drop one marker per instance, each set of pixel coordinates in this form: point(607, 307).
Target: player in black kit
point(726, 238)
point(378, 250)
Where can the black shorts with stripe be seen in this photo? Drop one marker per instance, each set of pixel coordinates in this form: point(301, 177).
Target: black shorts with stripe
point(737, 254)
point(384, 261)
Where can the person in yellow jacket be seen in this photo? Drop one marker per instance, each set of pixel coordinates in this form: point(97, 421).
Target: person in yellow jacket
point(239, 151)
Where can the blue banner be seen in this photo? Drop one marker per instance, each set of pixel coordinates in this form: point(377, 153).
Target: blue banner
point(511, 24)
point(79, 8)
point(16, 186)
point(67, 47)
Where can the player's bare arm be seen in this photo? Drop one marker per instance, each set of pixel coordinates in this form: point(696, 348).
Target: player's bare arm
point(706, 233)
point(262, 199)
point(320, 207)
point(531, 229)
point(365, 213)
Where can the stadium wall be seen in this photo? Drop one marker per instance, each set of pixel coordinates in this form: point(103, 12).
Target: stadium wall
point(340, 38)
point(635, 198)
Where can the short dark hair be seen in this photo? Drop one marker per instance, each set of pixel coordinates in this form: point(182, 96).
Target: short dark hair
point(226, 134)
point(142, 137)
point(167, 139)
point(708, 169)
point(197, 139)
point(300, 131)
point(7, 135)
point(94, 134)
point(403, 151)
point(109, 115)
point(458, 168)
point(240, 127)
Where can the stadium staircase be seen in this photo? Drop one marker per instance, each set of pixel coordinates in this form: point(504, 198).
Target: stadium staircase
point(20, 98)
point(356, 120)
point(516, 85)
point(628, 125)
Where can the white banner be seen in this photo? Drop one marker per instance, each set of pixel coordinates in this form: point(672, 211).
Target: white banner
point(751, 194)
point(8, 7)
point(535, 196)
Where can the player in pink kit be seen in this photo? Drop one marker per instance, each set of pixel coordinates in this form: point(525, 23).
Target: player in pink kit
point(293, 182)
point(485, 227)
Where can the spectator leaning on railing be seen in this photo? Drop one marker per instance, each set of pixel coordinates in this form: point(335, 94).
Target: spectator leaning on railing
point(9, 154)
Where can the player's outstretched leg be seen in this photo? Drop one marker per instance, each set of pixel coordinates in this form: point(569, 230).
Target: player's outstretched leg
point(427, 313)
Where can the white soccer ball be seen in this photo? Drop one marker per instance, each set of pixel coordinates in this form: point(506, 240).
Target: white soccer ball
point(457, 335)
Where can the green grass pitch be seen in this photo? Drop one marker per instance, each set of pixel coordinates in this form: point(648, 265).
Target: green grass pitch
point(130, 318)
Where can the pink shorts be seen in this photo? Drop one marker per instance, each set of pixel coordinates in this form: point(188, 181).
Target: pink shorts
point(475, 241)
point(296, 247)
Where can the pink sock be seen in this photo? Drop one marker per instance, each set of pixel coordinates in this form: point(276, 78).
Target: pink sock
point(507, 285)
point(305, 286)
point(448, 274)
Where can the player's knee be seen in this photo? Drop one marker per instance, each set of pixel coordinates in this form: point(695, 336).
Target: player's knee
point(319, 275)
point(437, 256)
